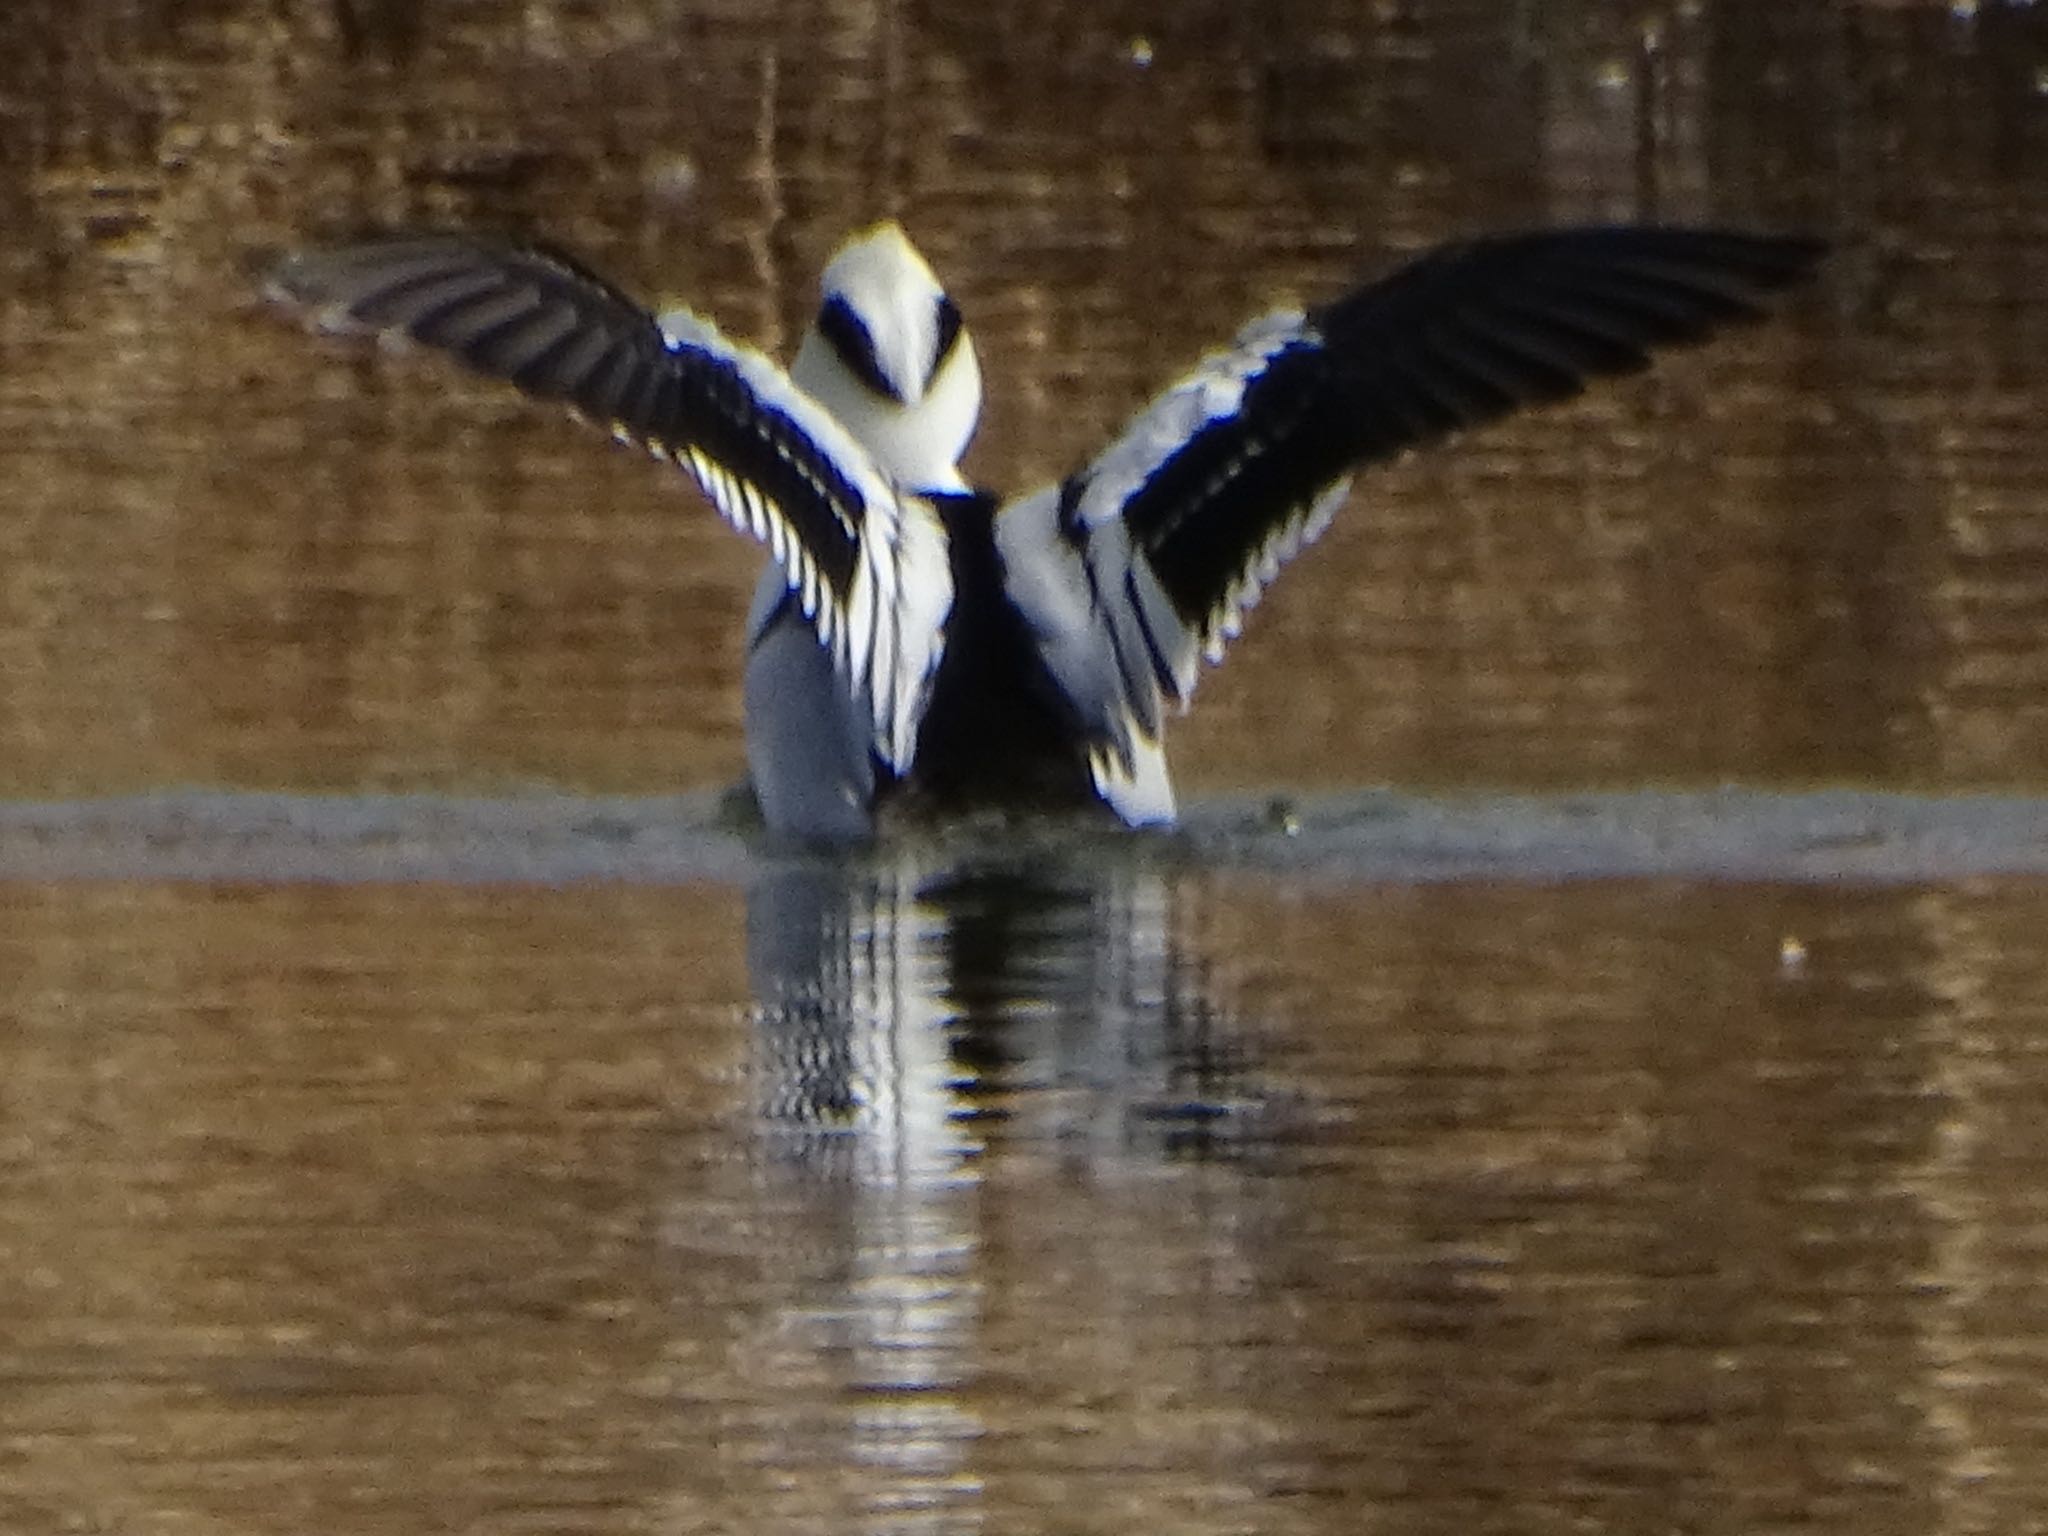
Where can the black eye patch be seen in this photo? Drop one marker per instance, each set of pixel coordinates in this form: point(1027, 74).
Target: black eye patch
point(845, 333)
point(949, 333)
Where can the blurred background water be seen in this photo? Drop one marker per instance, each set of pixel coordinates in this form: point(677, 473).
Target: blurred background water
point(1040, 1186)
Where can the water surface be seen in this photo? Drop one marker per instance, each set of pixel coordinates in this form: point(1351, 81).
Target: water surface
point(1023, 1194)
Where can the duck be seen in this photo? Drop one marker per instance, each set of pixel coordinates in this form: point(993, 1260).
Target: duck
point(918, 646)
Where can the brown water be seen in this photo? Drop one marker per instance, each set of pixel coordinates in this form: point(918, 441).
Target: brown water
point(1211, 1206)
point(547, 1163)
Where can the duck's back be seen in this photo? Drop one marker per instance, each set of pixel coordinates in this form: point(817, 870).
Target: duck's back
point(996, 732)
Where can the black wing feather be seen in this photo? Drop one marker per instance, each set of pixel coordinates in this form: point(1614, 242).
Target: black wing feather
point(559, 332)
point(1461, 337)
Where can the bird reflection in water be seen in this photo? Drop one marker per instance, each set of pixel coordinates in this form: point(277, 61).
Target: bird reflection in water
point(909, 999)
point(920, 1017)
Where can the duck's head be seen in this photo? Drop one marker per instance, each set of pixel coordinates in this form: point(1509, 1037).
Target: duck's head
point(889, 357)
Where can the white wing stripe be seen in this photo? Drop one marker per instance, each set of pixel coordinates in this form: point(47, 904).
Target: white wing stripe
point(1213, 391)
point(1131, 651)
point(885, 636)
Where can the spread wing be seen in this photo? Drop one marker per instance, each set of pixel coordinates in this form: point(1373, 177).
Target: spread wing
point(1143, 564)
point(867, 563)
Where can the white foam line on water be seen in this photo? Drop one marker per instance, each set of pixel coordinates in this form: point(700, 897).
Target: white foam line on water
point(221, 835)
point(1851, 836)
point(1862, 837)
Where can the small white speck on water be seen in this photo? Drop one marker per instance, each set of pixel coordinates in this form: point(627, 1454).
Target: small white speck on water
point(1139, 52)
point(672, 179)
